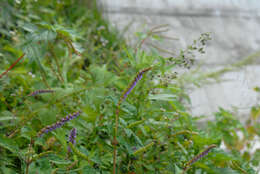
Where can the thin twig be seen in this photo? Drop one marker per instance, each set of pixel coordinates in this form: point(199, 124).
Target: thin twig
point(43, 75)
point(151, 32)
point(162, 50)
point(4, 73)
point(57, 63)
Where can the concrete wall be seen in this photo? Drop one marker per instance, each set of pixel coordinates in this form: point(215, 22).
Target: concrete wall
point(235, 26)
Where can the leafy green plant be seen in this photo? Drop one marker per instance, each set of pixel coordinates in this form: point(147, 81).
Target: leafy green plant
point(73, 61)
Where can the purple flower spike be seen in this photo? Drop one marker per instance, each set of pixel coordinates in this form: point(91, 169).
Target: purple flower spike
point(41, 91)
point(58, 124)
point(199, 156)
point(72, 137)
point(133, 84)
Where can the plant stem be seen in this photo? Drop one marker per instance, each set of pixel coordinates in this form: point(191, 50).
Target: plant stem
point(28, 160)
point(57, 63)
point(137, 78)
point(58, 67)
point(115, 141)
point(53, 71)
point(152, 31)
point(4, 73)
point(44, 78)
point(27, 167)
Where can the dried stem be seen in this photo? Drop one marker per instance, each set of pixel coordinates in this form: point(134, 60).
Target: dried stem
point(4, 73)
point(154, 30)
point(70, 46)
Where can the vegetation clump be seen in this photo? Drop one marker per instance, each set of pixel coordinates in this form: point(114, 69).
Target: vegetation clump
point(60, 57)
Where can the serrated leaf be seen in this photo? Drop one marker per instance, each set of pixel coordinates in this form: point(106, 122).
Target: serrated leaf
point(43, 35)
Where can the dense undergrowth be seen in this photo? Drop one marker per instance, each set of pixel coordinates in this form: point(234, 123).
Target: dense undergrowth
point(73, 94)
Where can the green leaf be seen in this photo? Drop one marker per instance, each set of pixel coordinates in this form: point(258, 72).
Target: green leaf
point(224, 170)
point(29, 27)
point(8, 144)
point(164, 97)
point(60, 161)
point(6, 116)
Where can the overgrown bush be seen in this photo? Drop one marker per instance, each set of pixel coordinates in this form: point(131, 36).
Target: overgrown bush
point(74, 98)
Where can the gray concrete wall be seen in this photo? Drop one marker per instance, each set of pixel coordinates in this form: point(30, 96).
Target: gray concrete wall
point(235, 26)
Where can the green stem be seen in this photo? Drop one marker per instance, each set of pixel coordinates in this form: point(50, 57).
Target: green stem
point(78, 153)
point(43, 75)
point(54, 72)
point(115, 140)
point(57, 63)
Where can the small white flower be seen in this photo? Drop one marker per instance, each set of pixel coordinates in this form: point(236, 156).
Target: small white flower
point(12, 32)
point(101, 28)
point(31, 74)
point(162, 109)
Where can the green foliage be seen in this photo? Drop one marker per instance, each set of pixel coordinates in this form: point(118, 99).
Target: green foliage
point(71, 49)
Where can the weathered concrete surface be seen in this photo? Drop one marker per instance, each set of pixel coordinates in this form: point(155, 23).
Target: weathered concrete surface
point(234, 92)
point(234, 25)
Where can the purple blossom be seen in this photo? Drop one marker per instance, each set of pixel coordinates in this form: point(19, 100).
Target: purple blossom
point(133, 84)
point(58, 124)
point(199, 156)
point(72, 137)
point(34, 93)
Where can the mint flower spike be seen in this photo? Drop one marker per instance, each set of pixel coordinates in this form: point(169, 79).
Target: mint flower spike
point(72, 138)
point(199, 156)
point(138, 77)
point(34, 93)
point(58, 124)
